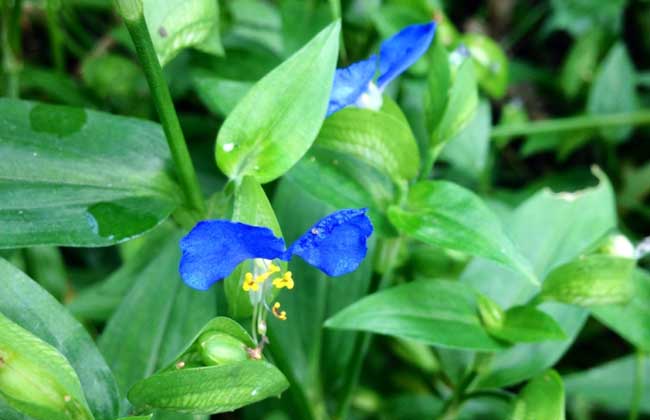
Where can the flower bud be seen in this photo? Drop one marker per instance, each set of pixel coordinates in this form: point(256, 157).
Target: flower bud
point(492, 315)
point(218, 348)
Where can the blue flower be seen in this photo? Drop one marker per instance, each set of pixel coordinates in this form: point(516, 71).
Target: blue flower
point(354, 84)
point(336, 245)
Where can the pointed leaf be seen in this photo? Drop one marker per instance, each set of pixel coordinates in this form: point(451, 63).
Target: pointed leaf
point(277, 121)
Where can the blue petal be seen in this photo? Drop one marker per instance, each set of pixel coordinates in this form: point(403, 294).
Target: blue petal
point(350, 83)
point(213, 249)
point(336, 244)
point(402, 50)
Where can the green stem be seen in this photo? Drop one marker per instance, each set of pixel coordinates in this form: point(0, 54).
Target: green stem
point(131, 11)
point(363, 340)
point(10, 21)
point(55, 34)
point(335, 8)
point(453, 404)
point(583, 122)
point(639, 377)
point(430, 158)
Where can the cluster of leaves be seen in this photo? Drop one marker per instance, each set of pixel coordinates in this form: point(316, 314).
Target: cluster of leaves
point(496, 281)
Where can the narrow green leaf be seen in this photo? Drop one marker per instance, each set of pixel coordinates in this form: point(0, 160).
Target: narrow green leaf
point(80, 178)
point(99, 301)
point(438, 83)
point(579, 66)
point(36, 379)
point(210, 390)
point(251, 206)
point(612, 385)
point(632, 319)
point(591, 280)
point(440, 313)
point(614, 90)
point(178, 24)
point(46, 266)
point(541, 398)
point(279, 118)
point(461, 105)
point(444, 214)
point(153, 322)
point(469, 149)
point(382, 139)
point(31, 307)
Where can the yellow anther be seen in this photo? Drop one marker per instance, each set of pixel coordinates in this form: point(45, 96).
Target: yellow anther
point(285, 281)
point(272, 270)
point(250, 283)
point(281, 315)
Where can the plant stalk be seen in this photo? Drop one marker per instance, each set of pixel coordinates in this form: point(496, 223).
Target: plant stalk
point(131, 11)
point(583, 122)
point(10, 38)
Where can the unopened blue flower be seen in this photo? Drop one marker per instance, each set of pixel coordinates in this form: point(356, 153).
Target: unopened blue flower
point(354, 84)
point(336, 245)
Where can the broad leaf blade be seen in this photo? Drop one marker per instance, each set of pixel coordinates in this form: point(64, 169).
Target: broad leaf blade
point(382, 139)
point(435, 312)
point(210, 390)
point(277, 121)
point(541, 230)
point(31, 307)
point(444, 214)
point(79, 178)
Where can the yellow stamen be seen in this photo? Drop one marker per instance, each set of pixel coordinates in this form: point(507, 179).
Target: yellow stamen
point(272, 270)
point(285, 281)
point(281, 315)
point(250, 283)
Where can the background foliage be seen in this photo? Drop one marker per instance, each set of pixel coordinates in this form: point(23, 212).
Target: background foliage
point(499, 174)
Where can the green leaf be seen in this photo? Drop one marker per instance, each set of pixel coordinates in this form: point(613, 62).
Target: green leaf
point(343, 181)
point(435, 312)
point(436, 94)
point(80, 178)
point(178, 24)
point(382, 139)
point(300, 345)
point(219, 94)
point(153, 322)
point(632, 319)
point(490, 63)
point(591, 280)
point(210, 390)
point(579, 16)
point(36, 379)
point(612, 385)
point(579, 65)
point(526, 324)
point(461, 105)
point(444, 214)
point(469, 149)
point(99, 301)
point(45, 265)
point(277, 121)
point(31, 307)
point(251, 206)
point(550, 229)
point(614, 90)
point(541, 398)
point(137, 417)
